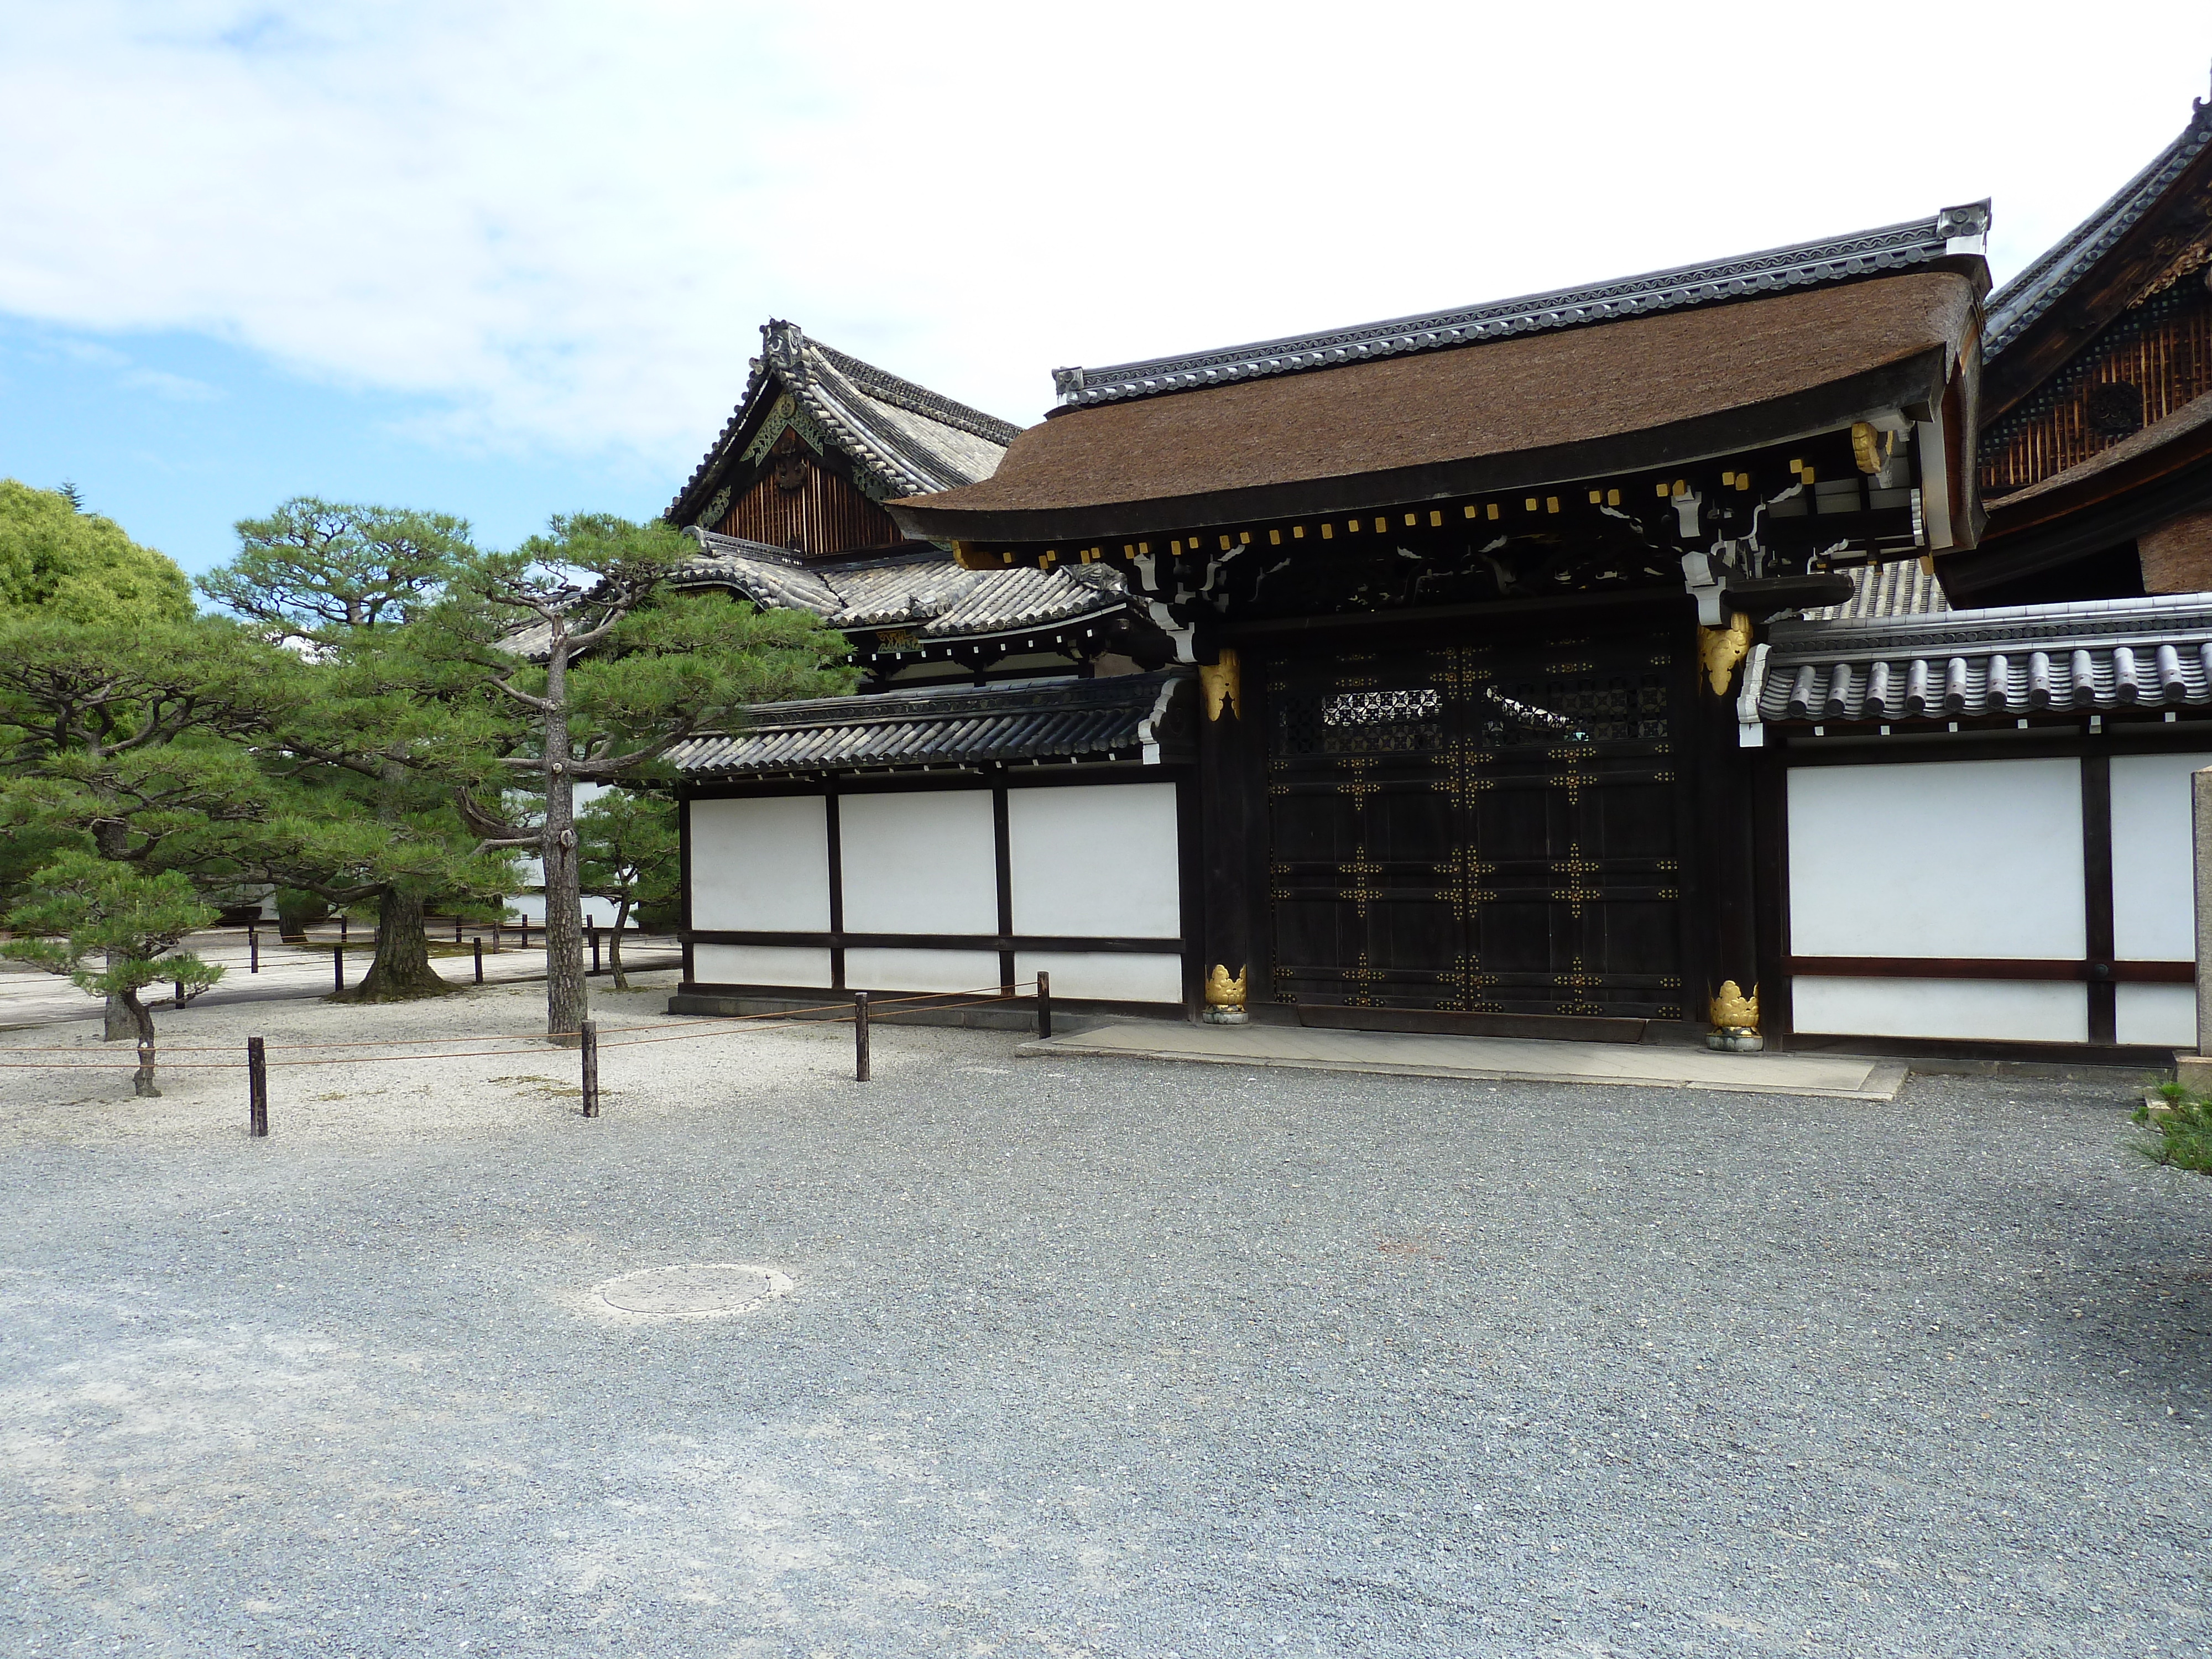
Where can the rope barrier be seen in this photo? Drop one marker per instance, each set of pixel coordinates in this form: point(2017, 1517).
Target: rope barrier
point(979, 996)
point(487, 1037)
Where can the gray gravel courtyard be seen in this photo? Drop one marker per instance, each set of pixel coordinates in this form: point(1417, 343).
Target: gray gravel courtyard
point(1104, 1358)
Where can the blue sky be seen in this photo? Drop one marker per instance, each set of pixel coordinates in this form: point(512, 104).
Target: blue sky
point(508, 259)
point(177, 436)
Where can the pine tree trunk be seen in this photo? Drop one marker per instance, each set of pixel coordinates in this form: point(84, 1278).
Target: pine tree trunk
point(142, 1023)
point(402, 967)
point(614, 945)
point(567, 999)
point(116, 1023)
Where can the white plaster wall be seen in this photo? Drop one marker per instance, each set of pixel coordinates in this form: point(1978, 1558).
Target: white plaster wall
point(760, 965)
point(1105, 975)
point(1936, 858)
point(530, 907)
point(2158, 1016)
point(1098, 859)
point(760, 866)
point(2153, 890)
point(922, 970)
point(920, 863)
point(2020, 1011)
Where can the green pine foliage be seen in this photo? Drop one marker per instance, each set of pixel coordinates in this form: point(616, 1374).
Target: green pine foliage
point(2181, 1131)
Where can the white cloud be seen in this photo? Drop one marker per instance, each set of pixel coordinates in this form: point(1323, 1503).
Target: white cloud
point(562, 222)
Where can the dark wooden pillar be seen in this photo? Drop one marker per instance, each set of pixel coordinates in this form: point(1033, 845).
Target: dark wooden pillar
point(1727, 887)
point(1223, 828)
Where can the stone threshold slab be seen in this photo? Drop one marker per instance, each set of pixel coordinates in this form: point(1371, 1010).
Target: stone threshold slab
point(1520, 1059)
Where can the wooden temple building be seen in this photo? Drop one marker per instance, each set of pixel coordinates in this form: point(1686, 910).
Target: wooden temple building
point(1755, 651)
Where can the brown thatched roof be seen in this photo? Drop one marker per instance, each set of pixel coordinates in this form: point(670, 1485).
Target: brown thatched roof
point(1646, 391)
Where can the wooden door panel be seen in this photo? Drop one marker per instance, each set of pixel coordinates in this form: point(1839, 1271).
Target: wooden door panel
point(1489, 826)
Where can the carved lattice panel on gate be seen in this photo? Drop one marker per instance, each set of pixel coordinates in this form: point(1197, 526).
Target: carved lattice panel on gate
point(1478, 828)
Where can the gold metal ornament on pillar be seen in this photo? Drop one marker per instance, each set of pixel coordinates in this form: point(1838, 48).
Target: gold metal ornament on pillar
point(1218, 683)
point(1223, 992)
point(1871, 448)
point(1720, 649)
point(1735, 1019)
point(1735, 1012)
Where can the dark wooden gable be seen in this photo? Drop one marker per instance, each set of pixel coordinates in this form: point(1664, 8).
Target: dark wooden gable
point(2149, 361)
point(2109, 332)
point(802, 496)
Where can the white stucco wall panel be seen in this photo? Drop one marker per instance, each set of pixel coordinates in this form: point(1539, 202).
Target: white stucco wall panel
point(760, 965)
point(2017, 1010)
point(2158, 1016)
point(874, 970)
point(1935, 858)
point(918, 863)
point(1105, 975)
point(1096, 859)
point(760, 866)
point(2153, 890)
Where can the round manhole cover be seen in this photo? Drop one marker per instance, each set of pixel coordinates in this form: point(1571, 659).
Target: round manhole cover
point(700, 1291)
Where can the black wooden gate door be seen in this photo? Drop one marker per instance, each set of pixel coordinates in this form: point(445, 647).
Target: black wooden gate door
point(1481, 827)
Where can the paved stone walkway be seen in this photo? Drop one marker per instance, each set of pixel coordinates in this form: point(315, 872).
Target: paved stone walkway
point(1643, 1064)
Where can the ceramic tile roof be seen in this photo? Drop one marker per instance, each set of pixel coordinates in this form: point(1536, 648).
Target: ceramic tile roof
point(903, 439)
point(2015, 307)
point(1953, 233)
point(922, 591)
point(1899, 588)
point(1133, 717)
point(2015, 661)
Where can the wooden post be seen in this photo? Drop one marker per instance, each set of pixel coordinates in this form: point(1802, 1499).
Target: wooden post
point(457, 930)
point(494, 939)
point(252, 952)
point(338, 965)
point(595, 947)
point(1224, 851)
point(859, 1037)
point(342, 928)
point(525, 934)
point(591, 1035)
point(1044, 1004)
point(1723, 892)
point(479, 959)
point(180, 993)
point(256, 1089)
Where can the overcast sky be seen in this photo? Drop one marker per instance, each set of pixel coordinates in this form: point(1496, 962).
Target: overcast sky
point(511, 259)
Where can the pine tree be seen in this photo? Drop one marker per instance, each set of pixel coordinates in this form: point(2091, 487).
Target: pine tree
point(84, 906)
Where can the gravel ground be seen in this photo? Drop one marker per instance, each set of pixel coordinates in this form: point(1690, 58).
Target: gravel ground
point(1084, 1357)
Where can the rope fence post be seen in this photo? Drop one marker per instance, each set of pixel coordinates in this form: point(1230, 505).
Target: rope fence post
point(457, 930)
point(256, 1090)
point(1044, 1004)
point(252, 952)
point(595, 947)
point(338, 965)
point(342, 928)
point(859, 1037)
point(180, 993)
point(591, 1048)
point(480, 960)
point(494, 939)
